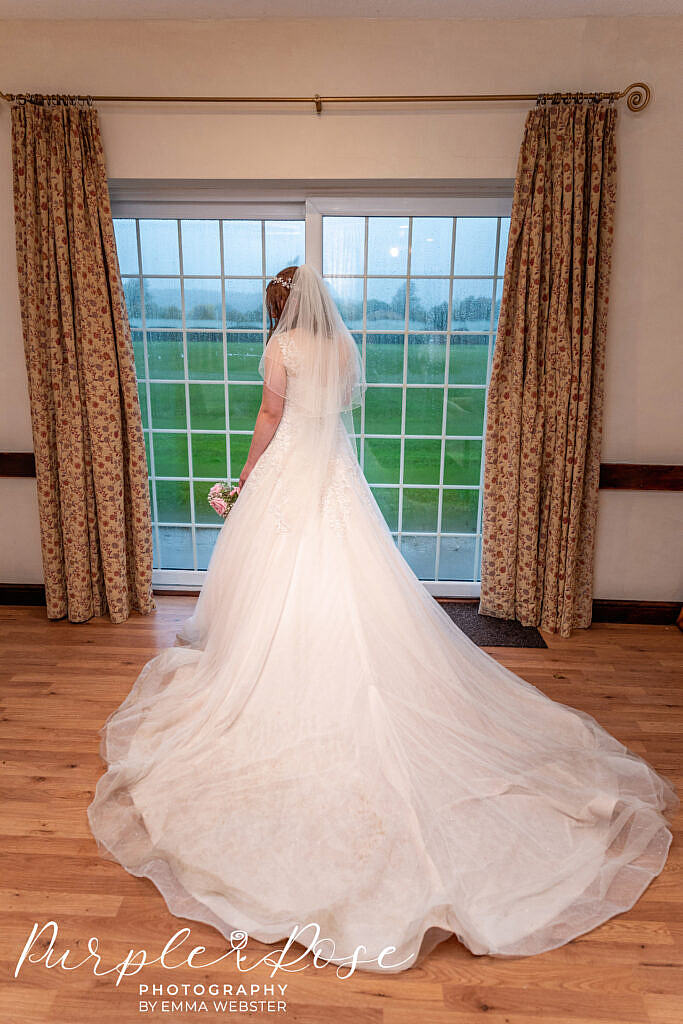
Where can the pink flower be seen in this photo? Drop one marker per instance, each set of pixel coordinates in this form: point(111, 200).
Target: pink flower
point(219, 506)
point(216, 489)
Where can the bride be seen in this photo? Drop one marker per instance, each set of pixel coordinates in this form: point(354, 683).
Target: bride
point(328, 748)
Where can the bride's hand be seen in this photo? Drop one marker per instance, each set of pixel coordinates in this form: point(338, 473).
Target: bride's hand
point(242, 480)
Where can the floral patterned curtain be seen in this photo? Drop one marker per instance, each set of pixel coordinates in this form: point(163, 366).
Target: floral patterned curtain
point(544, 418)
point(91, 470)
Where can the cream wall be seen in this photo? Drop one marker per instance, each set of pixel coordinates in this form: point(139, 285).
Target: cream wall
point(638, 533)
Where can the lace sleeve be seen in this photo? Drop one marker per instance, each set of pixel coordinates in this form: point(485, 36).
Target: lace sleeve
point(287, 350)
point(273, 365)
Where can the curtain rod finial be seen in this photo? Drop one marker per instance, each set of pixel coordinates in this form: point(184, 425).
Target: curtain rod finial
point(638, 95)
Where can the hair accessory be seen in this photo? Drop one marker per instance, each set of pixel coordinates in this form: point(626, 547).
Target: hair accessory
point(282, 281)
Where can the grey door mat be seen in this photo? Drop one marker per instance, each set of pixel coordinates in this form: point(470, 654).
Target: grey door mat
point(487, 631)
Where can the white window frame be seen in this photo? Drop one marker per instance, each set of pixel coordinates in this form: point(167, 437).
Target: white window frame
point(372, 205)
point(186, 204)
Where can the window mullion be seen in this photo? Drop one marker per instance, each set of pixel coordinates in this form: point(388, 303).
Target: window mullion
point(226, 371)
point(183, 321)
point(480, 507)
point(404, 390)
point(148, 394)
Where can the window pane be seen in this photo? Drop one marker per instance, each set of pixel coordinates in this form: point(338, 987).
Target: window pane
point(243, 247)
point(468, 359)
point(207, 406)
point(203, 304)
point(209, 457)
point(383, 410)
point(384, 358)
point(239, 449)
point(173, 501)
point(138, 354)
point(424, 410)
point(244, 356)
point(343, 245)
point(285, 241)
point(496, 306)
point(386, 304)
point(462, 462)
point(142, 395)
point(475, 245)
point(459, 512)
point(245, 400)
point(206, 540)
point(382, 460)
point(176, 548)
point(387, 245)
point(472, 300)
point(456, 558)
point(168, 406)
point(421, 461)
point(205, 355)
point(503, 243)
point(426, 358)
point(244, 303)
point(159, 246)
point(170, 454)
point(431, 245)
point(420, 510)
point(387, 499)
point(429, 304)
point(131, 293)
point(163, 307)
point(165, 355)
point(203, 513)
point(126, 245)
point(201, 247)
point(420, 553)
point(466, 411)
point(348, 295)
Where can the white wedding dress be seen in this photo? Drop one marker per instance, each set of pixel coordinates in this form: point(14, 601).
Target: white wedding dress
point(330, 748)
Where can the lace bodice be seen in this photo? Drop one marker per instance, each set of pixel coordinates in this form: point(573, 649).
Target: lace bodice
point(283, 467)
point(308, 457)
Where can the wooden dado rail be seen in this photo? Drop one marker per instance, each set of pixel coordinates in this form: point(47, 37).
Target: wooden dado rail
point(613, 476)
point(621, 476)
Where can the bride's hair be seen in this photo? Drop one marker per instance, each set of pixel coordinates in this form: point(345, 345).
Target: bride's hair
point(277, 293)
point(323, 371)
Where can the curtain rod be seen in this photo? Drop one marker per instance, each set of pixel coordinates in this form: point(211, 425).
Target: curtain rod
point(638, 94)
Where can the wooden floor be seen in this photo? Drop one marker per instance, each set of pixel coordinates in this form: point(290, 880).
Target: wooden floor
point(61, 680)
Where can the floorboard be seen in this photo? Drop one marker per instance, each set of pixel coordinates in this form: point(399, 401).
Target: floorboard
point(60, 681)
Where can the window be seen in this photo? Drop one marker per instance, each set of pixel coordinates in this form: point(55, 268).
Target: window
point(418, 283)
point(195, 296)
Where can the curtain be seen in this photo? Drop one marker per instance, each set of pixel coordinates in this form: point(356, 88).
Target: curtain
point(544, 407)
point(91, 469)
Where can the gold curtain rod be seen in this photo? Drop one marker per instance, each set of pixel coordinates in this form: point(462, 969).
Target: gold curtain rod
point(638, 94)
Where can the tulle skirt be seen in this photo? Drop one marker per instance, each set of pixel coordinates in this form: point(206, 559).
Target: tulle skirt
point(328, 749)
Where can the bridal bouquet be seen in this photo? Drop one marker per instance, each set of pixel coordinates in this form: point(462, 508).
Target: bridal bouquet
point(220, 499)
